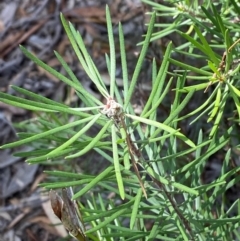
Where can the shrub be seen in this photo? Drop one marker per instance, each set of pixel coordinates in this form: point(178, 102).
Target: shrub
point(165, 197)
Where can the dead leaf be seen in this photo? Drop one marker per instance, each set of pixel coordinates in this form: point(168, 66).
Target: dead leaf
point(52, 218)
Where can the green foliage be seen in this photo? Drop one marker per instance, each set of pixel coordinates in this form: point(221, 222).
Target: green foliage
point(165, 189)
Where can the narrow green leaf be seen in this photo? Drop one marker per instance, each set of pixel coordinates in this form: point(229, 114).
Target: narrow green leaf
point(67, 174)
point(85, 58)
point(50, 70)
point(46, 157)
point(66, 184)
point(202, 107)
point(116, 163)
point(216, 105)
point(194, 42)
point(76, 136)
point(94, 182)
point(123, 62)
point(209, 16)
point(159, 82)
point(174, 114)
point(197, 87)
point(108, 220)
point(94, 141)
point(46, 133)
point(126, 157)
point(163, 127)
point(234, 89)
point(159, 100)
point(140, 60)
point(38, 97)
point(112, 52)
point(190, 68)
point(86, 94)
point(220, 24)
point(213, 67)
point(25, 106)
point(135, 208)
point(236, 99)
point(208, 49)
point(220, 113)
point(229, 54)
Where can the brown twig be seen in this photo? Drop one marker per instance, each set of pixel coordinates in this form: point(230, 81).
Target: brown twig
point(134, 151)
point(174, 205)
